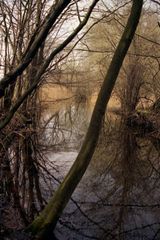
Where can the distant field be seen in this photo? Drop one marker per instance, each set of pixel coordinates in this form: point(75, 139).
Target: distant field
point(55, 92)
point(55, 97)
point(52, 95)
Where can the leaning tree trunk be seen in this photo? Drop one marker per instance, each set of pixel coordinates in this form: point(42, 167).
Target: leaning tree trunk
point(45, 223)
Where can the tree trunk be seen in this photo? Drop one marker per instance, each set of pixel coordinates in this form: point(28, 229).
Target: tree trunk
point(45, 223)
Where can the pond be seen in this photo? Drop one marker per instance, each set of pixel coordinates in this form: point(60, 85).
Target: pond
point(118, 197)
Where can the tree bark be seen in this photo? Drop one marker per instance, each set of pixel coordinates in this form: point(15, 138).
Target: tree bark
point(45, 223)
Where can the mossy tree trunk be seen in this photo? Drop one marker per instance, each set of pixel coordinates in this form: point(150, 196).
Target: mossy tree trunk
point(45, 223)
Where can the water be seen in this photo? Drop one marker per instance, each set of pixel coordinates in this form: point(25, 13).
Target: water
point(118, 197)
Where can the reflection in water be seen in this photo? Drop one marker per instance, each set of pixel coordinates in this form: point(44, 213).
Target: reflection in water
point(65, 128)
point(118, 198)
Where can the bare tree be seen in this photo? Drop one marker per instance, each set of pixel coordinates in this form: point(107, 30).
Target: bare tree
point(46, 222)
point(25, 30)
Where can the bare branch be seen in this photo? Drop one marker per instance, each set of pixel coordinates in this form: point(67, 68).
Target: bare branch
point(34, 44)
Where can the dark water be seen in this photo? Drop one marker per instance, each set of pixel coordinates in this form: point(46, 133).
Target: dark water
point(118, 198)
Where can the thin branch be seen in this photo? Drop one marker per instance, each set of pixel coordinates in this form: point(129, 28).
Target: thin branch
point(39, 74)
point(34, 44)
